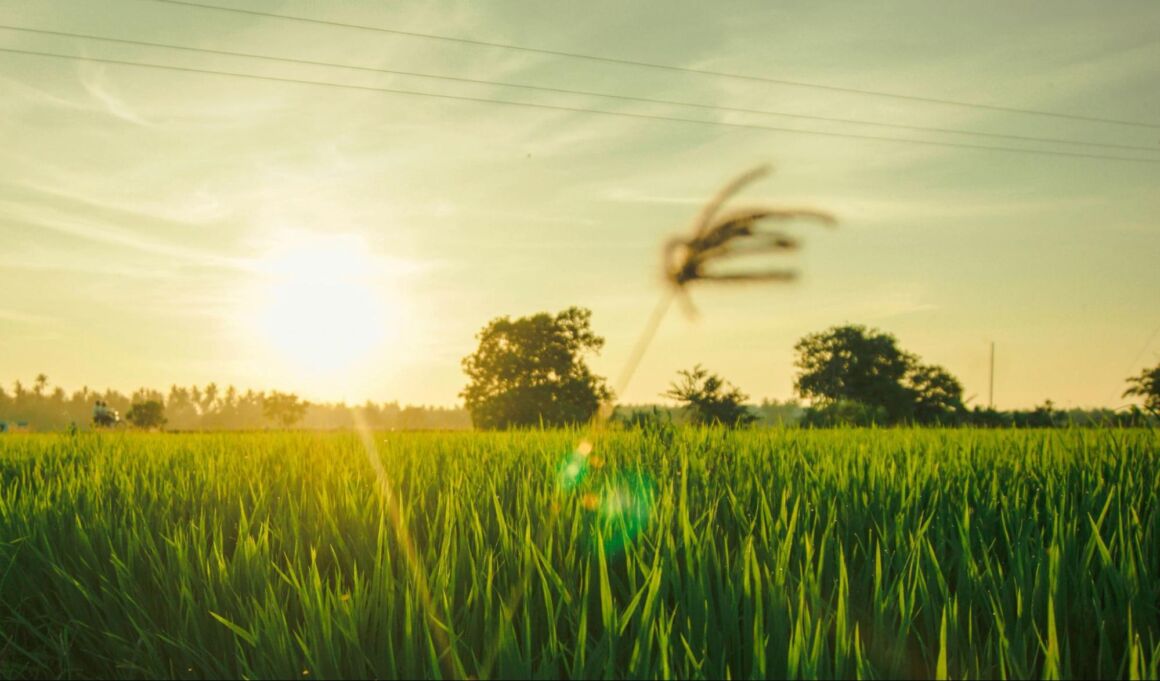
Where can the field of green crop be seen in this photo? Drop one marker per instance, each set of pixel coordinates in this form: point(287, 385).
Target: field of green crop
point(688, 553)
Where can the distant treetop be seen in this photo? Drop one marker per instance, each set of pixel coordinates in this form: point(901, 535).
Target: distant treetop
point(530, 371)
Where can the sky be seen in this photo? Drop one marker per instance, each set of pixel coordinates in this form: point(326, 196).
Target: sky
point(160, 227)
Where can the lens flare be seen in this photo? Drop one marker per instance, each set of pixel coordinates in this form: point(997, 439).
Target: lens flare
point(570, 473)
point(625, 511)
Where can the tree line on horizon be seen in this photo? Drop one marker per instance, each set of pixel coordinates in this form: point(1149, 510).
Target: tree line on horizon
point(531, 372)
point(39, 406)
point(210, 408)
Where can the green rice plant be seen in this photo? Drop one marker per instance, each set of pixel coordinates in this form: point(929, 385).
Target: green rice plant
point(702, 553)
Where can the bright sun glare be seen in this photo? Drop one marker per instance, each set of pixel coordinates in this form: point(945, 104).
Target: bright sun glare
point(324, 303)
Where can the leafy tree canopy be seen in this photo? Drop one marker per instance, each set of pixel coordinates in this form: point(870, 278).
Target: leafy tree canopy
point(531, 371)
point(1146, 386)
point(937, 395)
point(148, 414)
point(859, 375)
point(285, 408)
point(709, 399)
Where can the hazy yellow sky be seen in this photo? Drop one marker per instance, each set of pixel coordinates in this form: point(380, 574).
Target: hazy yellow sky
point(159, 227)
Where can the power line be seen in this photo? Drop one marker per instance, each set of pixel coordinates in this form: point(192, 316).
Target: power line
point(665, 67)
point(588, 93)
point(573, 109)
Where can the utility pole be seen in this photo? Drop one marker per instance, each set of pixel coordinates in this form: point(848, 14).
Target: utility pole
point(991, 384)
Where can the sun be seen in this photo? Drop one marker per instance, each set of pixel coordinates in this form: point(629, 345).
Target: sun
point(324, 303)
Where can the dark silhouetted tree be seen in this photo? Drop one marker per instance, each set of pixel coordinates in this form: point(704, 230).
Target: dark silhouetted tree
point(148, 414)
point(853, 364)
point(938, 396)
point(1147, 387)
point(285, 408)
point(530, 371)
point(709, 399)
point(859, 376)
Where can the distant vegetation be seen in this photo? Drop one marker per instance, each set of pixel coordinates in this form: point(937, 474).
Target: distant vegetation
point(530, 372)
point(860, 376)
point(1147, 387)
point(147, 414)
point(284, 408)
point(709, 400)
point(856, 376)
point(212, 408)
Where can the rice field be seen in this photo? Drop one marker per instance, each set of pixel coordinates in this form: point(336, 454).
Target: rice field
point(678, 553)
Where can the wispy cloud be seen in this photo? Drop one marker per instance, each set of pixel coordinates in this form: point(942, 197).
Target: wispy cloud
point(192, 208)
point(92, 78)
point(100, 234)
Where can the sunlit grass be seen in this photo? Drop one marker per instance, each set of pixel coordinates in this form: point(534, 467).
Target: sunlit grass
point(696, 553)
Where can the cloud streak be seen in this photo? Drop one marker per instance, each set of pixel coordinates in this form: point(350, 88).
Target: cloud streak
point(99, 234)
point(91, 77)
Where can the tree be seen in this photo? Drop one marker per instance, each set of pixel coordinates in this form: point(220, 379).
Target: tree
point(851, 363)
point(1146, 386)
point(414, 418)
point(530, 371)
point(844, 413)
point(709, 399)
point(285, 408)
point(148, 414)
point(938, 396)
point(208, 400)
point(859, 376)
point(182, 410)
